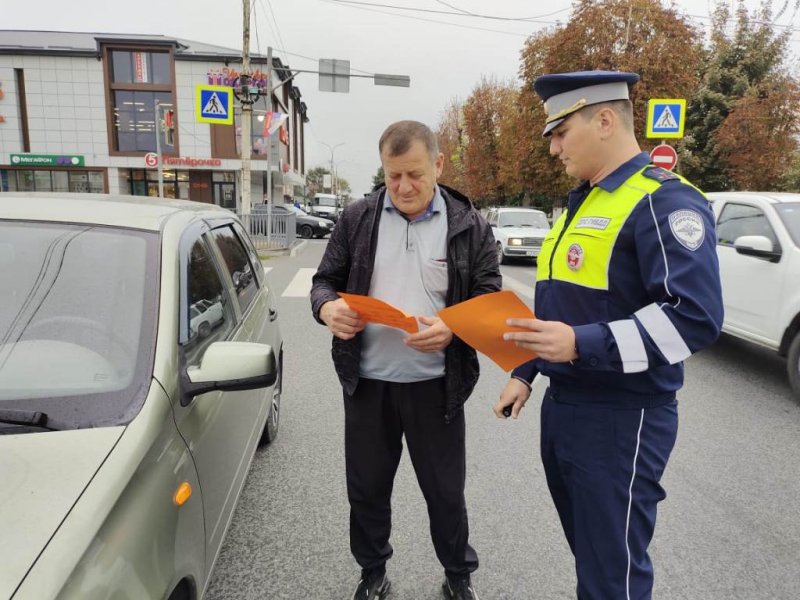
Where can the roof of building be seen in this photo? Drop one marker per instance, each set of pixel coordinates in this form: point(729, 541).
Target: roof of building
point(74, 43)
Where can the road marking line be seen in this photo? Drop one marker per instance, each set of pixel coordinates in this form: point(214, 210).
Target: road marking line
point(517, 286)
point(267, 270)
point(300, 286)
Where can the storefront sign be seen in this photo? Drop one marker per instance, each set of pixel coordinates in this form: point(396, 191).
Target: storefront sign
point(47, 160)
point(140, 67)
point(183, 161)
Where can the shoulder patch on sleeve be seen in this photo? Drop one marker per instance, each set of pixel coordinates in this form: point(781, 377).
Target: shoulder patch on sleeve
point(659, 174)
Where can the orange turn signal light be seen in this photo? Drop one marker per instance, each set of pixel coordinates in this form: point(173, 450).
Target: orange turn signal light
point(182, 494)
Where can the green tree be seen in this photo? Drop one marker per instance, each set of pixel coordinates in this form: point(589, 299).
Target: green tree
point(743, 120)
point(378, 178)
point(452, 140)
point(627, 35)
point(315, 178)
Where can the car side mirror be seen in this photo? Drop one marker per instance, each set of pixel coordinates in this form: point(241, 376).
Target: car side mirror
point(227, 367)
point(759, 246)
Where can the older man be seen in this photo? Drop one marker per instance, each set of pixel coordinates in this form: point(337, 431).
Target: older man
point(627, 288)
point(419, 246)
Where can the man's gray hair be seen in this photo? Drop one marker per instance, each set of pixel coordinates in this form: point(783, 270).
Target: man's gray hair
point(398, 137)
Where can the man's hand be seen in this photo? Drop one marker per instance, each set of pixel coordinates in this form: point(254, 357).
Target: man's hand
point(437, 336)
point(551, 340)
point(343, 322)
point(514, 394)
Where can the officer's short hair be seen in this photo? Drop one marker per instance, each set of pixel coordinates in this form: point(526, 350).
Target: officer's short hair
point(623, 108)
point(398, 137)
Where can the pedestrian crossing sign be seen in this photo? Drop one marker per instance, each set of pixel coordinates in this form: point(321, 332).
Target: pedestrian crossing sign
point(666, 117)
point(214, 104)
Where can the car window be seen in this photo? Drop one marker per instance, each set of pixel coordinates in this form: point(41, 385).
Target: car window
point(492, 218)
point(737, 220)
point(790, 215)
point(77, 320)
point(523, 218)
point(238, 265)
point(251, 252)
point(206, 308)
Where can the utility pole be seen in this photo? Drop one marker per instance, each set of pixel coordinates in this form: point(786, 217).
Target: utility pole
point(269, 146)
point(158, 150)
point(247, 110)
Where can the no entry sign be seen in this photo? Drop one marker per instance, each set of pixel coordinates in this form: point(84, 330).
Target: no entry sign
point(664, 156)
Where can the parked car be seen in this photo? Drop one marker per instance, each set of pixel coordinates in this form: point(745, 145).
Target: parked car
point(124, 439)
point(306, 226)
point(758, 244)
point(328, 206)
point(518, 231)
point(204, 316)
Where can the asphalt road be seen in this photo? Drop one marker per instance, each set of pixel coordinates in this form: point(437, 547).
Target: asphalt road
point(729, 528)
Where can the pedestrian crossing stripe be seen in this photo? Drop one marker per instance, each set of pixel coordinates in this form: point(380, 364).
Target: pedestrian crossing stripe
point(666, 118)
point(214, 104)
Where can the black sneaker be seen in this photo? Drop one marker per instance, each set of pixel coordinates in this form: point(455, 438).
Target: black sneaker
point(459, 589)
point(372, 587)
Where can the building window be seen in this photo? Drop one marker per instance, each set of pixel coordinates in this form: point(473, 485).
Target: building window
point(43, 180)
point(136, 79)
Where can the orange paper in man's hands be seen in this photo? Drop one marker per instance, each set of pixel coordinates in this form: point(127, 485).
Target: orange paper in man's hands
point(373, 310)
point(481, 323)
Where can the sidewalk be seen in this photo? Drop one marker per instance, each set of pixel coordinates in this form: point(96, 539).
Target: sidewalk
point(297, 246)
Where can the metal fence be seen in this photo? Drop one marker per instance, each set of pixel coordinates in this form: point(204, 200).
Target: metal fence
point(281, 235)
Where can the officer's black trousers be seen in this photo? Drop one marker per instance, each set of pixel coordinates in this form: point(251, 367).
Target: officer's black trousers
point(377, 416)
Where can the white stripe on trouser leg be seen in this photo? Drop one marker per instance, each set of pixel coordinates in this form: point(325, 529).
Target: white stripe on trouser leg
point(664, 333)
point(630, 345)
point(630, 503)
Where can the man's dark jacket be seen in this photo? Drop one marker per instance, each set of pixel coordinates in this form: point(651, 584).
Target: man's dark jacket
point(472, 270)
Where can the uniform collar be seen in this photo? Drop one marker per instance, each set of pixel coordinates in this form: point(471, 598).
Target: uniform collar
point(611, 182)
point(436, 205)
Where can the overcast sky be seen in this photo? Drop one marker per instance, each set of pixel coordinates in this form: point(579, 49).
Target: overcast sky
point(444, 53)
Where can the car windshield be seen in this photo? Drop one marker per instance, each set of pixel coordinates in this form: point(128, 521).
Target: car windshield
point(325, 202)
point(77, 320)
point(297, 210)
point(790, 215)
point(522, 218)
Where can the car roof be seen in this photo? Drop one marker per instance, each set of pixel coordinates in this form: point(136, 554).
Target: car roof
point(135, 212)
point(771, 197)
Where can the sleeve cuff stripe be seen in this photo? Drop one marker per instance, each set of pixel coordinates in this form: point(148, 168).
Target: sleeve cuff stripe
point(664, 333)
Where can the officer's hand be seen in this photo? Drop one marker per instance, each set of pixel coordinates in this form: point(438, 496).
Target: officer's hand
point(553, 341)
point(437, 336)
point(343, 322)
point(514, 394)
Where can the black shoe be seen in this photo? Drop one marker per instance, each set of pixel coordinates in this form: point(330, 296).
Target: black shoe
point(373, 587)
point(459, 589)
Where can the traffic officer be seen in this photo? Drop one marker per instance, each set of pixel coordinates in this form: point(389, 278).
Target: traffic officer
point(627, 288)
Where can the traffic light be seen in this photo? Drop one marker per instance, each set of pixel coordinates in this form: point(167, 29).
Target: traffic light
point(169, 127)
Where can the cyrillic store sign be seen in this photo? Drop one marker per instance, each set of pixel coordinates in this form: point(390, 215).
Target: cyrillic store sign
point(47, 160)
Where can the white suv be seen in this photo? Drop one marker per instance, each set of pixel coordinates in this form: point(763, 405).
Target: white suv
point(758, 244)
point(519, 231)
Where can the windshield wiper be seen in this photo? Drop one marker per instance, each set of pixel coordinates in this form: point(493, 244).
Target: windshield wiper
point(30, 418)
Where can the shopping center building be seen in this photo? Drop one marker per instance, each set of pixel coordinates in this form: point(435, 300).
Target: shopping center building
point(78, 114)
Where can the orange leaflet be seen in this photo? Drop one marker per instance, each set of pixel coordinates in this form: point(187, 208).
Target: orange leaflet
point(373, 310)
point(481, 323)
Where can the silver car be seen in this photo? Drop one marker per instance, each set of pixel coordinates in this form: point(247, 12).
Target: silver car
point(125, 434)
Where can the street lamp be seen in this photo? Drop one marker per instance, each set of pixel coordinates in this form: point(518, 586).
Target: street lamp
point(332, 149)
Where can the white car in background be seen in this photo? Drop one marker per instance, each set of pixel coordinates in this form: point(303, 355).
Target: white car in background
point(518, 231)
point(758, 244)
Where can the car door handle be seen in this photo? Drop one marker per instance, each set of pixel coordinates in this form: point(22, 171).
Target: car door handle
point(273, 314)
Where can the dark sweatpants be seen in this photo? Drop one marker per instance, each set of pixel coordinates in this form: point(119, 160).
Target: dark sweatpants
point(377, 416)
